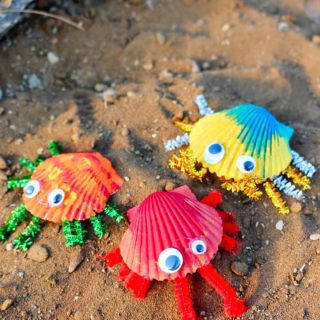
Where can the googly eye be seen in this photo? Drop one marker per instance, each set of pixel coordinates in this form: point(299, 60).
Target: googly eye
point(214, 153)
point(55, 197)
point(198, 247)
point(31, 189)
point(170, 260)
point(246, 164)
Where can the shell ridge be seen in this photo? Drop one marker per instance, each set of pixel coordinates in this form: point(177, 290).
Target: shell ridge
point(222, 165)
point(162, 230)
point(253, 142)
point(135, 232)
point(82, 195)
point(185, 191)
point(187, 217)
point(86, 203)
point(175, 218)
point(247, 123)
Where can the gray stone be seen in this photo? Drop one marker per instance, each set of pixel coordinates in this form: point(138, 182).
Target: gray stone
point(34, 82)
point(239, 268)
point(38, 253)
point(75, 260)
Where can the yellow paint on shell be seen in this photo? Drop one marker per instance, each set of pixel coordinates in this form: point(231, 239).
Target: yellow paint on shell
point(72, 196)
point(54, 173)
point(217, 128)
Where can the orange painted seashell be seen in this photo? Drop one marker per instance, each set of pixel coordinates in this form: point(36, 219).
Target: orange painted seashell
point(84, 180)
point(65, 189)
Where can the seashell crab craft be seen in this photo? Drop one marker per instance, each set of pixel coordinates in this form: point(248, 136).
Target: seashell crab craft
point(66, 189)
point(172, 235)
point(247, 148)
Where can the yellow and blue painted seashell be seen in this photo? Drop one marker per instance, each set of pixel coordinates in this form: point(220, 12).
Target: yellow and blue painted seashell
point(247, 148)
point(246, 130)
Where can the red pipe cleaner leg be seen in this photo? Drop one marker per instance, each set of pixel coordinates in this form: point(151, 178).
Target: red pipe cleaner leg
point(231, 228)
point(227, 216)
point(228, 244)
point(138, 285)
point(123, 272)
point(212, 199)
point(232, 305)
point(113, 257)
point(184, 301)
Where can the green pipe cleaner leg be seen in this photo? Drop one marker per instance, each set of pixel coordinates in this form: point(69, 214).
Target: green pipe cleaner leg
point(26, 237)
point(54, 147)
point(74, 233)
point(38, 160)
point(16, 217)
point(28, 164)
point(99, 227)
point(31, 165)
point(14, 183)
point(113, 212)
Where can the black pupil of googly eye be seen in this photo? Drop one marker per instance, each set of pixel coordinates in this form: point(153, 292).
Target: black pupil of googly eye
point(248, 165)
point(57, 198)
point(29, 190)
point(173, 263)
point(200, 248)
point(215, 148)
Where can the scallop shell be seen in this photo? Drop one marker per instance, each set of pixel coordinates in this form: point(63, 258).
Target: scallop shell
point(169, 220)
point(243, 130)
point(87, 180)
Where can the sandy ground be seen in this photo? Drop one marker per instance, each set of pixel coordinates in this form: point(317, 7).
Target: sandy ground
point(152, 58)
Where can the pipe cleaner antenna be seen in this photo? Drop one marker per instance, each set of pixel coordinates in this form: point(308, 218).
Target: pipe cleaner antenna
point(203, 106)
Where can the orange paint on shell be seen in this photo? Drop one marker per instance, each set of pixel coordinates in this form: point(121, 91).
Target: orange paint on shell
point(87, 179)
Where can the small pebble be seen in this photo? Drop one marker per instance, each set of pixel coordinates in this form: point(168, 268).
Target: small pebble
point(3, 164)
point(34, 82)
point(6, 304)
point(165, 74)
point(75, 260)
point(316, 39)
point(38, 253)
point(100, 87)
point(296, 207)
point(280, 225)
point(315, 236)
point(226, 27)
point(79, 315)
point(148, 66)
point(131, 94)
point(206, 65)
point(160, 38)
point(169, 186)
point(299, 277)
point(283, 26)
point(239, 268)
point(9, 246)
point(52, 58)
point(5, 3)
point(125, 132)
